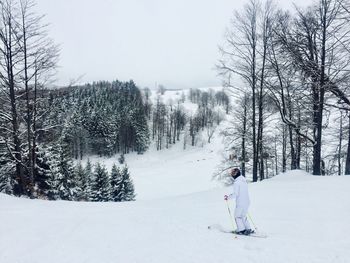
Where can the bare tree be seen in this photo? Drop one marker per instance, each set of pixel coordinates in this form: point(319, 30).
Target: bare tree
point(266, 30)
point(10, 52)
point(316, 43)
point(239, 58)
point(28, 58)
point(39, 61)
point(287, 91)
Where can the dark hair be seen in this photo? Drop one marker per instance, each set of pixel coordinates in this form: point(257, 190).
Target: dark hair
point(235, 173)
point(238, 172)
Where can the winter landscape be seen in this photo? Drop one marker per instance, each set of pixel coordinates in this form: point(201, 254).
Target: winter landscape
point(231, 146)
point(303, 225)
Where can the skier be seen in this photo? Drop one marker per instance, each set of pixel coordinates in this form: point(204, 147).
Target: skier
point(241, 196)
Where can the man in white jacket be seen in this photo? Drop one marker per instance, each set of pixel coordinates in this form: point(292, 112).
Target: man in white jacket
point(241, 196)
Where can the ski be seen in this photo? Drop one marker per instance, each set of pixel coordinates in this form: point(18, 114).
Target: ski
point(224, 230)
point(256, 234)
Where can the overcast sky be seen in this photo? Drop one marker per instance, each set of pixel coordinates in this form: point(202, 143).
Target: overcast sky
point(169, 42)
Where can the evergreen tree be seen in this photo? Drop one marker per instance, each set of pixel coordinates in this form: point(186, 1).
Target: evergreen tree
point(6, 180)
point(65, 176)
point(82, 182)
point(100, 187)
point(6, 175)
point(89, 180)
point(46, 170)
point(121, 159)
point(127, 191)
point(116, 184)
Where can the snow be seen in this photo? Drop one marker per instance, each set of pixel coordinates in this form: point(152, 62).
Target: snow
point(171, 172)
point(173, 96)
point(306, 219)
point(174, 171)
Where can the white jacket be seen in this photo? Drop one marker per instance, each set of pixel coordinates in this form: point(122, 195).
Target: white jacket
point(240, 192)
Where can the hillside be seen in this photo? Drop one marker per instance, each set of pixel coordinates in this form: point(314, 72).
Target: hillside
point(175, 170)
point(305, 217)
point(172, 172)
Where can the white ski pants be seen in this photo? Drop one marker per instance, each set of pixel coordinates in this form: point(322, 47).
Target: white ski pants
point(241, 218)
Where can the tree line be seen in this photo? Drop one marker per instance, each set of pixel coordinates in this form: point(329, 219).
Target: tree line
point(296, 65)
point(90, 183)
point(171, 119)
point(102, 118)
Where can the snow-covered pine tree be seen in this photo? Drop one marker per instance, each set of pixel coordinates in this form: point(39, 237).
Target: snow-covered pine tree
point(46, 170)
point(77, 134)
point(6, 174)
point(116, 184)
point(127, 190)
point(89, 179)
point(81, 181)
point(65, 177)
point(100, 187)
point(140, 127)
point(121, 159)
point(6, 179)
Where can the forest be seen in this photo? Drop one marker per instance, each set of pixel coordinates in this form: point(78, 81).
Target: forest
point(295, 62)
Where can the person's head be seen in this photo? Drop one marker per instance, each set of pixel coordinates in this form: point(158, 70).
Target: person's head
point(235, 172)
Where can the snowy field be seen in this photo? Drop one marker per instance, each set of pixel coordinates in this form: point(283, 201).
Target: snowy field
point(171, 172)
point(306, 219)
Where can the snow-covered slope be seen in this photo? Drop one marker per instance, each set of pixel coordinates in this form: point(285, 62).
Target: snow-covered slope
point(306, 219)
point(172, 172)
point(178, 170)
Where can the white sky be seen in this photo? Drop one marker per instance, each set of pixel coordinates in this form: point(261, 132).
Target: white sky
point(169, 42)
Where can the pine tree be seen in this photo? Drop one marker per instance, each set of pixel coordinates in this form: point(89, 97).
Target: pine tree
point(82, 182)
point(6, 180)
point(45, 174)
point(127, 192)
point(65, 176)
point(116, 184)
point(121, 159)
point(89, 180)
point(6, 175)
point(100, 187)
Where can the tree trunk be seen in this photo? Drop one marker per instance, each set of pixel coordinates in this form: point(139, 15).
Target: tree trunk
point(284, 150)
point(255, 152)
point(298, 150)
point(340, 143)
point(276, 156)
point(244, 153)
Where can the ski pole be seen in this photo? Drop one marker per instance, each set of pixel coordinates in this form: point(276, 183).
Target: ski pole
point(229, 211)
point(251, 220)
